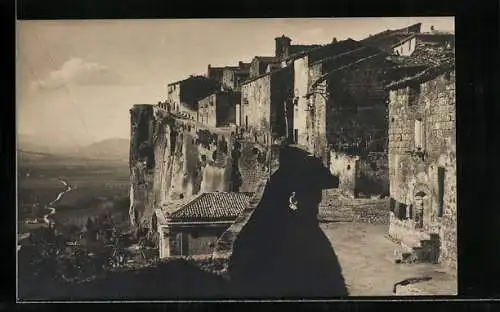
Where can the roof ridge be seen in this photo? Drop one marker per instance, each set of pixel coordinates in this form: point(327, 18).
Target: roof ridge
point(185, 205)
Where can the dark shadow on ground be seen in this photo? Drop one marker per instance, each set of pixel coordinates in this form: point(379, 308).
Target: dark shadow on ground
point(283, 253)
point(173, 280)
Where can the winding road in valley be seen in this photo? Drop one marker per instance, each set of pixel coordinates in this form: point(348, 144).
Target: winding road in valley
point(58, 198)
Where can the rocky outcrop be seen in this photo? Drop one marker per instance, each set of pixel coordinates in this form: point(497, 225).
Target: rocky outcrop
point(173, 158)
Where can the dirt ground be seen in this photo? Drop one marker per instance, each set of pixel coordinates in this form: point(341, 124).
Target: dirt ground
point(367, 262)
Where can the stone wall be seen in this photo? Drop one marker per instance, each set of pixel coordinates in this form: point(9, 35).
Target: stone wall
point(349, 113)
point(301, 84)
point(413, 174)
point(194, 240)
point(256, 105)
point(346, 168)
point(356, 120)
point(226, 108)
point(207, 110)
point(282, 87)
point(373, 174)
point(263, 105)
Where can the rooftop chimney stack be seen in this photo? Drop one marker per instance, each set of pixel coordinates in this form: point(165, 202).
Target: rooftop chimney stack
point(282, 46)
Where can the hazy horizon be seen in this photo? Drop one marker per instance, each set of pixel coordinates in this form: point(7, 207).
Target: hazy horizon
point(76, 80)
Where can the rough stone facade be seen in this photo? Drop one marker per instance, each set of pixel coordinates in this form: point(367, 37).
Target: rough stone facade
point(263, 104)
point(233, 77)
point(183, 96)
point(346, 168)
point(219, 109)
point(191, 239)
point(422, 162)
point(349, 110)
point(361, 176)
point(300, 102)
point(259, 65)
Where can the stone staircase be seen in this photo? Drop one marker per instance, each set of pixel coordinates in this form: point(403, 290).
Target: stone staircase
point(424, 249)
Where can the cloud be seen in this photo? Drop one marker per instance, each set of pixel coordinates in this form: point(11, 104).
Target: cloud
point(78, 72)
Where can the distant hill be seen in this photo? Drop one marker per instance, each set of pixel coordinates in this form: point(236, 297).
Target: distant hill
point(30, 143)
point(116, 149)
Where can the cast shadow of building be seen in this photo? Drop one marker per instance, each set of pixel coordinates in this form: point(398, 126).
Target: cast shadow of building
point(283, 253)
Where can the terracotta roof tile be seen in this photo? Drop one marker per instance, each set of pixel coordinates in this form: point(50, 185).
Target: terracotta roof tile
point(213, 206)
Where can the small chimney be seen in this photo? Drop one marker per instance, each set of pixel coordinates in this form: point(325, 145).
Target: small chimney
point(334, 40)
point(240, 64)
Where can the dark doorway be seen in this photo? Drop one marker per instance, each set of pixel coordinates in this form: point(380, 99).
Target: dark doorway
point(440, 191)
point(296, 135)
point(246, 122)
point(419, 209)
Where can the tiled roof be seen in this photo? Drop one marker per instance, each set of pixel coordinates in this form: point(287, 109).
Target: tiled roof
point(425, 75)
point(214, 206)
point(387, 39)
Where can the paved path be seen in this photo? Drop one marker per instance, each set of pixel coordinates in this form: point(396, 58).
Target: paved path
point(368, 267)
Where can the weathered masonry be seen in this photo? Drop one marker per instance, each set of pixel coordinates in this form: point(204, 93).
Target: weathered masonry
point(220, 109)
point(183, 95)
point(264, 101)
point(346, 118)
point(422, 162)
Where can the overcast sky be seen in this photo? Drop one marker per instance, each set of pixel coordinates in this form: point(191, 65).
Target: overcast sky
point(76, 80)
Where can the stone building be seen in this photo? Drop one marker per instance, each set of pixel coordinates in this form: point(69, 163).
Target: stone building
point(302, 63)
point(260, 65)
point(194, 228)
point(220, 109)
point(422, 162)
point(183, 95)
point(345, 117)
point(233, 77)
point(263, 103)
point(230, 77)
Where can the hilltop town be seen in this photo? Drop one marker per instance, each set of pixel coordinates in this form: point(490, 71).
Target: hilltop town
point(288, 171)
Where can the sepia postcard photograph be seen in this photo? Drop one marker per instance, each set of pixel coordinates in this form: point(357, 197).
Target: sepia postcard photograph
point(214, 159)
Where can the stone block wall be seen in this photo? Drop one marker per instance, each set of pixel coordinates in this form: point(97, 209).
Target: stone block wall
point(207, 110)
point(411, 173)
point(282, 86)
point(346, 168)
point(356, 119)
point(301, 84)
point(194, 240)
point(256, 105)
point(374, 174)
